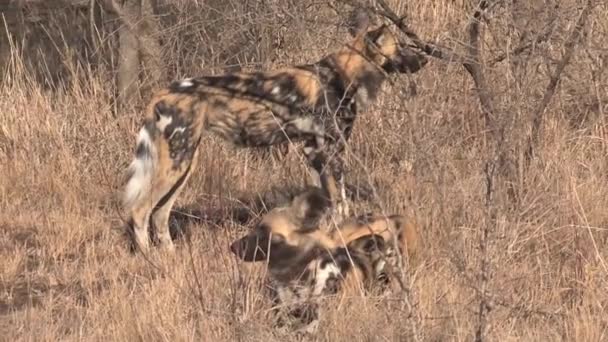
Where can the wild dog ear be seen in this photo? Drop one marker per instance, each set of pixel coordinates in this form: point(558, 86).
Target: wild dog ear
point(413, 61)
point(309, 207)
point(377, 36)
point(367, 244)
point(358, 21)
point(250, 248)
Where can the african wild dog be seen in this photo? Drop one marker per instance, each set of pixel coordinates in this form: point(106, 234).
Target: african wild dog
point(314, 103)
point(305, 262)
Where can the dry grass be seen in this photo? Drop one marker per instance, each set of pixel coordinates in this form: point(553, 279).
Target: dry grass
point(66, 273)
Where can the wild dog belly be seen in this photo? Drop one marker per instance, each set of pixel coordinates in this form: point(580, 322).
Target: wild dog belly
point(246, 123)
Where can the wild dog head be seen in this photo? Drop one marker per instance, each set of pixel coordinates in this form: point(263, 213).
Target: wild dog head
point(381, 45)
point(374, 52)
point(288, 237)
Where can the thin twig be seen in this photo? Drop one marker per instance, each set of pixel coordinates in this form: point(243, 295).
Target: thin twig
point(525, 46)
point(473, 65)
point(430, 48)
point(554, 81)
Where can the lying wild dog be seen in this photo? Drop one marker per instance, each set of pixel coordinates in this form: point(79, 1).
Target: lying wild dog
point(306, 263)
point(314, 103)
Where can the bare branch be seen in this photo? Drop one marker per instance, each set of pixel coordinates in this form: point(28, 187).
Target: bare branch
point(525, 46)
point(429, 48)
point(139, 43)
point(473, 65)
point(554, 81)
point(471, 60)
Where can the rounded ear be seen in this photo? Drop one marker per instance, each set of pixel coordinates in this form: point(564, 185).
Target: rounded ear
point(413, 61)
point(368, 244)
point(250, 248)
point(377, 35)
point(358, 22)
point(309, 207)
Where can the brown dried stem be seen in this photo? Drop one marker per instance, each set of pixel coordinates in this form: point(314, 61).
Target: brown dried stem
point(554, 81)
point(472, 63)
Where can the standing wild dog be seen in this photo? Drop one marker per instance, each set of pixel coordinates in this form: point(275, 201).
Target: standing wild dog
point(305, 262)
point(314, 103)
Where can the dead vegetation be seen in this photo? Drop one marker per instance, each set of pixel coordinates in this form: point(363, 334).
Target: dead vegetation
point(506, 173)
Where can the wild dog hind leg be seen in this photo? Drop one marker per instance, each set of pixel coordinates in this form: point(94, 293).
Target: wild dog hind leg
point(160, 217)
point(165, 150)
point(138, 197)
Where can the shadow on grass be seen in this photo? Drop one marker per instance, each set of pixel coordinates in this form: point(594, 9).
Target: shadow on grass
point(228, 213)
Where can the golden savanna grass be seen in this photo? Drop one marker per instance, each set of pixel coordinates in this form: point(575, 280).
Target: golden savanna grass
point(66, 272)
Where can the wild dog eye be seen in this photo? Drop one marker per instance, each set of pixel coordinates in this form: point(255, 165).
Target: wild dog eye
point(277, 238)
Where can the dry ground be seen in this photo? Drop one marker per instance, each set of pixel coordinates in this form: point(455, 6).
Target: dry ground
point(66, 274)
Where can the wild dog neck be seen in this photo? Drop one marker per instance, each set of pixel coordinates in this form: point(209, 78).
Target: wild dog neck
point(359, 71)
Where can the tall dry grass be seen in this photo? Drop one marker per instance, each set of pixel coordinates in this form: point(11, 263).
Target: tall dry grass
point(66, 273)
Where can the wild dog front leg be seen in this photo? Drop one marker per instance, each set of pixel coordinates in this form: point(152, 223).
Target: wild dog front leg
point(315, 150)
point(331, 177)
point(335, 149)
point(336, 165)
point(317, 158)
point(316, 162)
point(316, 165)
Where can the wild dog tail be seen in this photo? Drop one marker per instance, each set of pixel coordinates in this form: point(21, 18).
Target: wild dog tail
point(142, 168)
